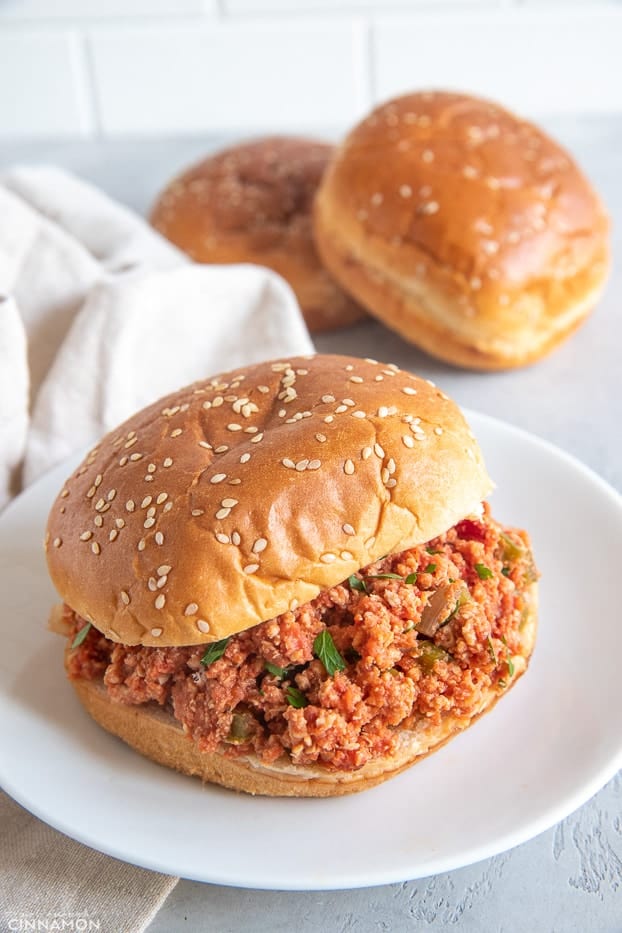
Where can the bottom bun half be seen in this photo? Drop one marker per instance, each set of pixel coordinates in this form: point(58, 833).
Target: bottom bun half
point(154, 733)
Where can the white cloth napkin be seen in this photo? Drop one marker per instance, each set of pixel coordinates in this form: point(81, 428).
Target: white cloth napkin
point(98, 317)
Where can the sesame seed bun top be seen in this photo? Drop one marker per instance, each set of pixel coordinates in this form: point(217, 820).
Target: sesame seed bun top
point(252, 203)
point(238, 498)
point(466, 229)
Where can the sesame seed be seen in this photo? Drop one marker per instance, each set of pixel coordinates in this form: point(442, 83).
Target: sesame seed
point(168, 507)
point(348, 401)
point(302, 465)
point(229, 503)
point(191, 609)
point(438, 431)
point(366, 453)
point(321, 438)
point(370, 542)
point(156, 632)
point(491, 247)
point(113, 534)
point(263, 389)
point(378, 450)
point(314, 464)
point(288, 463)
point(408, 390)
point(251, 568)
point(149, 522)
point(348, 467)
point(95, 547)
point(223, 539)
point(385, 475)
point(223, 513)
point(91, 492)
point(130, 443)
point(167, 462)
point(57, 542)
point(207, 405)
point(86, 535)
point(218, 477)
point(383, 411)
point(349, 530)
point(146, 501)
point(390, 483)
point(162, 498)
point(98, 520)
point(159, 601)
point(327, 399)
point(257, 438)
point(159, 538)
point(123, 461)
point(235, 482)
point(245, 458)
point(430, 207)
point(347, 555)
point(64, 494)
point(260, 545)
point(202, 626)
point(328, 419)
point(339, 410)
point(98, 479)
point(328, 558)
point(356, 379)
point(293, 605)
point(217, 402)
point(176, 432)
point(195, 512)
point(151, 468)
point(125, 598)
point(141, 544)
point(100, 504)
point(407, 440)
point(163, 570)
point(406, 191)
point(135, 457)
point(205, 445)
point(148, 478)
point(162, 581)
point(234, 427)
point(359, 414)
point(151, 583)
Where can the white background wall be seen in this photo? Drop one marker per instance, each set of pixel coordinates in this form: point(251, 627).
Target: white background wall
point(111, 68)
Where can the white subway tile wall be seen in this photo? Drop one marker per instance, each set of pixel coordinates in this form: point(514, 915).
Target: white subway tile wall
point(112, 68)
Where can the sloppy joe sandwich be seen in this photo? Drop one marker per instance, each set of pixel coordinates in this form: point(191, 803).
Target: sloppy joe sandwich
point(284, 579)
point(464, 228)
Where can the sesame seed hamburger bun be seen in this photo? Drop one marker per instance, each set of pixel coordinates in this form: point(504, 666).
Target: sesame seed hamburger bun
point(252, 203)
point(262, 572)
point(464, 228)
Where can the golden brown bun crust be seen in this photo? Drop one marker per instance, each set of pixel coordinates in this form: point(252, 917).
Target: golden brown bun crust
point(157, 735)
point(230, 501)
point(464, 228)
point(252, 203)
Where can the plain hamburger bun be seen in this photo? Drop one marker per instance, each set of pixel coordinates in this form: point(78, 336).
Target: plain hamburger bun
point(229, 501)
point(252, 203)
point(464, 228)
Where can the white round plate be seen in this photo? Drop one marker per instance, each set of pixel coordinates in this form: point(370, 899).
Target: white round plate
point(544, 750)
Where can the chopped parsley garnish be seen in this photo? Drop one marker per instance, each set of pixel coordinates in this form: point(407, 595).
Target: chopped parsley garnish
point(483, 572)
point(451, 614)
point(509, 660)
point(383, 576)
point(430, 568)
point(491, 649)
point(411, 578)
point(324, 649)
point(505, 571)
point(214, 651)
point(81, 635)
point(279, 672)
point(432, 550)
point(357, 584)
point(296, 698)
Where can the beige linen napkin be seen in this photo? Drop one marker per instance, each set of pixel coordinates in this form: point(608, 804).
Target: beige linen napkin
point(98, 317)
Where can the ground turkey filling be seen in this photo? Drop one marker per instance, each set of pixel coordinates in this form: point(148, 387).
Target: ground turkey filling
point(419, 634)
